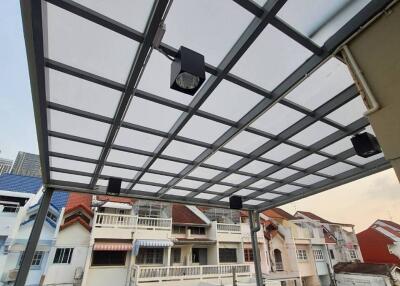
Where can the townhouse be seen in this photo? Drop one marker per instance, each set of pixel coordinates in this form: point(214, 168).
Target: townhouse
point(380, 243)
point(19, 203)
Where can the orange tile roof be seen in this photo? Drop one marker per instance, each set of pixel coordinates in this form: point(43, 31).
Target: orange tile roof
point(75, 199)
point(115, 199)
point(182, 215)
point(76, 220)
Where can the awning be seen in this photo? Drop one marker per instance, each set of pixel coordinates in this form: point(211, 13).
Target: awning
point(151, 243)
point(112, 246)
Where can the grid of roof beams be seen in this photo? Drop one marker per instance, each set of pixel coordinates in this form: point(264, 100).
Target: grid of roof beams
point(271, 123)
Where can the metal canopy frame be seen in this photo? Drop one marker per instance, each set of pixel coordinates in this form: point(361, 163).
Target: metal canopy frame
point(263, 16)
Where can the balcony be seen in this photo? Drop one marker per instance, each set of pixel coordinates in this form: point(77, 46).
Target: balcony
point(142, 274)
point(122, 226)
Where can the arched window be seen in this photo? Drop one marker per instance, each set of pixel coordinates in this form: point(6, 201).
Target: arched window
point(278, 260)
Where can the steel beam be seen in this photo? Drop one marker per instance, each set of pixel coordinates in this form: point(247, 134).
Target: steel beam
point(34, 237)
point(254, 220)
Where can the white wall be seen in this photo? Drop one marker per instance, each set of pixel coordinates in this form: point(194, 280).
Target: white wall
point(360, 280)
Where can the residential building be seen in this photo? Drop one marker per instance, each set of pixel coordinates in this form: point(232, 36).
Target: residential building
point(350, 274)
point(26, 164)
point(380, 243)
point(5, 165)
point(19, 202)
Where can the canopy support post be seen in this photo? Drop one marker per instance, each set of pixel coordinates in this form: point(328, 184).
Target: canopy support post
point(34, 237)
point(254, 228)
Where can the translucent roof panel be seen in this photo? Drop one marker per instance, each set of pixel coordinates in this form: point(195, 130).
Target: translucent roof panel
point(283, 173)
point(218, 188)
point(76, 125)
point(168, 166)
point(153, 115)
point(349, 112)
point(259, 126)
point(261, 63)
point(255, 167)
point(146, 188)
point(309, 161)
point(70, 178)
point(235, 179)
point(336, 169)
point(222, 159)
point(246, 142)
point(322, 85)
point(137, 140)
point(118, 172)
point(204, 173)
point(192, 184)
point(277, 119)
point(80, 166)
point(77, 93)
point(313, 133)
point(183, 150)
point(133, 14)
point(261, 184)
point(111, 58)
point(319, 19)
point(230, 101)
point(74, 148)
point(281, 152)
point(202, 129)
point(309, 180)
point(125, 158)
point(207, 32)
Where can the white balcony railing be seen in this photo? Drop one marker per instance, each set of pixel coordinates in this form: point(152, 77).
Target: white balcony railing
point(150, 222)
point(146, 274)
point(131, 221)
point(227, 227)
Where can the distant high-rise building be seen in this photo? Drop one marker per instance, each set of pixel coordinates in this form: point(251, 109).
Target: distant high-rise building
point(5, 165)
point(26, 164)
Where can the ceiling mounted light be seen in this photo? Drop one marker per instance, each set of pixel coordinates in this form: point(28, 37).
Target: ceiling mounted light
point(187, 71)
point(365, 145)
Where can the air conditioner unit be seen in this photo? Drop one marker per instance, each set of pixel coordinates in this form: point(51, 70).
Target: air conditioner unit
point(78, 274)
point(10, 276)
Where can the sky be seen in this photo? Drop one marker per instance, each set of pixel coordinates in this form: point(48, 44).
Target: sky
point(360, 202)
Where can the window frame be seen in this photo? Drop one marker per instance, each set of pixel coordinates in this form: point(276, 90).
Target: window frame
point(152, 256)
point(179, 228)
point(318, 255)
point(62, 253)
point(248, 255)
point(176, 252)
point(331, 253)
point(224, 257)
point(36, 260)
point(353, 254)
point(201, 230)
point(110, 257)
point(301, 255)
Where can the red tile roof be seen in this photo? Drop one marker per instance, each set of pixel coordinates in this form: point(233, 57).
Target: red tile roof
point(115, 199)
point(320, 219)
point(391, 223)
point(75, 199)
point(81, 207)
point(278, 213)
point(76, 220)
point(182, 215)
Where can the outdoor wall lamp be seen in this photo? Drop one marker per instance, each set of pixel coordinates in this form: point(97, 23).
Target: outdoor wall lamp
point(187, 71)
point(365, 145)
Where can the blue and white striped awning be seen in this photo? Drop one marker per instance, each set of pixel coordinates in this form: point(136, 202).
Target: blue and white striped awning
point(151, 243)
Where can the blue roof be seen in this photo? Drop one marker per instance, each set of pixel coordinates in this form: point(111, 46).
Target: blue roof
point(26, 184)
point(22, 184)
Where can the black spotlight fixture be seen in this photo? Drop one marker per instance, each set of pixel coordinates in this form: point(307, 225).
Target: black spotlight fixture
point(187, 71)
point(114, 186)
point(235, 202)
point(365, 144)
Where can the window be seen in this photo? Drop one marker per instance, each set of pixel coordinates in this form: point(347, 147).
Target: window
point(301, 254)
point(227, 255)
point(353, 254)
point(318, 255)
point(331, 253)
point(197, 230)
point(150, 256)
point(178, 229)
point(63, 255)
point(248, 255)
point(37, 258)
point(52, 217)
point(176, 255)
point(107, 258)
